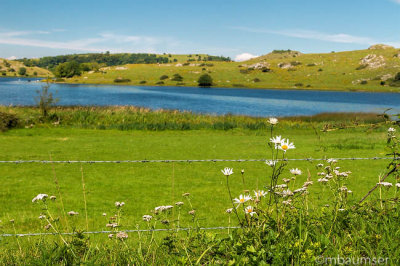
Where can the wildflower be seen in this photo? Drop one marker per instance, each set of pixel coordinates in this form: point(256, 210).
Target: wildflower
point(349, 191)
point(331, 160)
point(147, 218)
point(39, 197)
point(286, 180)
point(307, 183)
point(179, 203)
point(186, 194)
point(53, 198)
point(281, 186)
point(323, 180)
point(119, 204)
point(385, 184)
point(192, 212)
point(249, 210)
point(273, 121)
point(110, 236)
point(295, 171)
point(342, 174)
point(113, 225)
point(12, 221)
point(320, 165)
point(320, 173)
point(343, 189)
point(242, 171)
point(260, 193)
point(391, 130)
point(271, 163)
point(286, 145)
point(122, 235)
point(72, 213)
point(47, 227)
point(341, 210)
point(41, 217)
point(227, 171)
point(287, 202)
point(104, 214)
point(286, 193)
point(242, 199)
point(229, 210)
point(398, 185)
point(277, 140)
point(299, 190)
point(168, 207)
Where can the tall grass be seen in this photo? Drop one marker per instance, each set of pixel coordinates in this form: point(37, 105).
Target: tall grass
point(139, 118)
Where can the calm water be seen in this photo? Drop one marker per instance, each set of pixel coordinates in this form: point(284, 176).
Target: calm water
point(204, 100)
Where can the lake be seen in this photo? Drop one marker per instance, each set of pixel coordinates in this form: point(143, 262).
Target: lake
point(253, 102)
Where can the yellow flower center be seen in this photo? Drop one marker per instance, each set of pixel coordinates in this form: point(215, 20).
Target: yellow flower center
point(284, 147)
point(249, 210)
point(241, 200)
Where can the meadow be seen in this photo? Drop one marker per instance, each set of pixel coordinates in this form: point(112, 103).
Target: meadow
point(89, 133)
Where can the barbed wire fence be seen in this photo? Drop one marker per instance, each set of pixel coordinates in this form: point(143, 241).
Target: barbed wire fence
point(164, 161)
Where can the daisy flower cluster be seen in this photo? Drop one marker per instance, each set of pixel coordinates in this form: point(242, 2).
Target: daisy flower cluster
point(282, 144)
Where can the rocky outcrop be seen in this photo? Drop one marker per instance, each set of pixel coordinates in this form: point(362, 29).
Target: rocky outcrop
point(373, 61)
point(380, 47)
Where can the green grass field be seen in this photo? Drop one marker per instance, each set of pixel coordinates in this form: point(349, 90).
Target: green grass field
point(312, 225)
point(144, 186)
point(331, 71)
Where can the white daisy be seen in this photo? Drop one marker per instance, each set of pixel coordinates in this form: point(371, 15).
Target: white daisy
point(39, 197)
point(273, 120)
point(147, 218)
point(227, 171)
point(391, 130)
point(323, 180)
point(242, 199)
point(277, 140)
point(249, 210)
point(229, 210)
point(286, 145)
point(271, 163)
point(385, 184)
point(295, 171)
point(259, 193)
point(398, 185)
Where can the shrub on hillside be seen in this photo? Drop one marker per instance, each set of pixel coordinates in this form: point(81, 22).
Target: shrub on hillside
point(177, 77)
point(205, 80)
point(163, 77)
point(160, 83)
point(143, 82)
point(121, 80)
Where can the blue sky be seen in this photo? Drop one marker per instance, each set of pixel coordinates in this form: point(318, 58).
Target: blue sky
point(219, 27)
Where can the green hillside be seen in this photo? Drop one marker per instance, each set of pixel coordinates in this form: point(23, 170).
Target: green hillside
point(12, 68)
point(373, 69)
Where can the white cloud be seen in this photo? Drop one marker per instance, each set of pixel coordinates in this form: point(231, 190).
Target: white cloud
point(100, 43)
point(244, 57)
point(12, 58)
point(314, 35)
point(396, 1)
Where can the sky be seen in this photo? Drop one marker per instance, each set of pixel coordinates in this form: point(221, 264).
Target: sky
point(238, 29)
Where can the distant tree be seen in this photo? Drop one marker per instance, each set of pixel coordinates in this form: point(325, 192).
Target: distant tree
point(35, 73)
point(397, 77)
point(68, 70)
point(205, 80)
point(22, 71)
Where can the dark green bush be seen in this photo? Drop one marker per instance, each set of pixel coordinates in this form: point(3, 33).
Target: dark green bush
point(364, 82)
point(121, 80)
point(160, 83)
point(163, 77)
point(177, 77)
point(205, 80)
point(143, 82)
point(299, 84)
point(256, 80)
point(8, 121)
